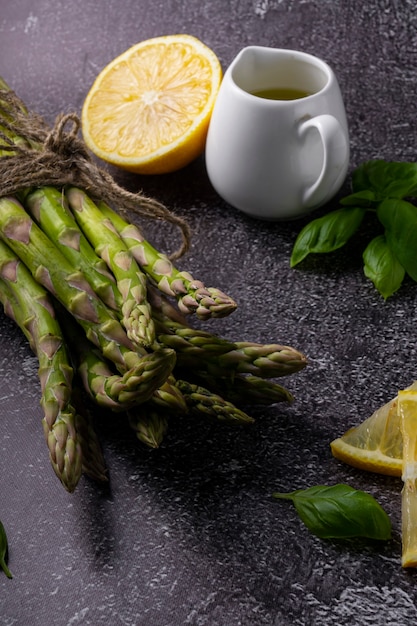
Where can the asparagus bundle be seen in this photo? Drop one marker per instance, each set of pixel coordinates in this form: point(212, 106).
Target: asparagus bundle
point(106, 313)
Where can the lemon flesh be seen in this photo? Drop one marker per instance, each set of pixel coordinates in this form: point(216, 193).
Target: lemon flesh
point(148, 111)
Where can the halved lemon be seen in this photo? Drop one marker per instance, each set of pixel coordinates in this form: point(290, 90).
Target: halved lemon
point(148, 111)
point(376, 445)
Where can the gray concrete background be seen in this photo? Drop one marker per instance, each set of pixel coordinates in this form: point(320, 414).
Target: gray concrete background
point(189, 534)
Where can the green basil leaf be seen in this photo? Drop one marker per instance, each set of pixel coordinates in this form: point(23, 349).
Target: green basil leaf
point(327, 233)
point(366, 198)
point(362, 176)
point(382, 267)
point(399, 219)
point(3, 552)
point(386, 179)
point(340, 512)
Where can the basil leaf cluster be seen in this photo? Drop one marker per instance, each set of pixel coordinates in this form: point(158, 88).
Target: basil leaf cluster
point(383, 189)
point(3, 552)
point(340, 512)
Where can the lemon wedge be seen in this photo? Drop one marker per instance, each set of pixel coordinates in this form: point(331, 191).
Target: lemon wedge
point(386, 443)
point(407, 412)
point(376, 444)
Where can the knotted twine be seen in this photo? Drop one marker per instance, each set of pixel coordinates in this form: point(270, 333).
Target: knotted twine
point(40, 156)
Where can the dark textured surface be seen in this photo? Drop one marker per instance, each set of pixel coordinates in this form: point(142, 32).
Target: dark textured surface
point(189, 534)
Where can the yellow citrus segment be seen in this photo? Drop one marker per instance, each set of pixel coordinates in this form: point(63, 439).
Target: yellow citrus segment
point(407, 413)
point(386, 443)
point(376, 445)
point(148, 111)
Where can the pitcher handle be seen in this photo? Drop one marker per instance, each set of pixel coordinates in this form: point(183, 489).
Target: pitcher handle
point(335, 158)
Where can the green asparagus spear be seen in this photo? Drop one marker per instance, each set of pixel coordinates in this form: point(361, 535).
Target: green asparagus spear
point(48, 207)
point(241, 389)
point(262, 360)
point(62, 437)
point(149, 424)
point(259, 360)
point(150, 420)
point(194, 343)
point(57, 393)
point(30, 307)
point(50, 268)
point(201, 400)
point(192, 295)
point(131, 281)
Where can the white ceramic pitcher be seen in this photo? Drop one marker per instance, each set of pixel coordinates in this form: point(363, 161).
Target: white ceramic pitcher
point(276, 158)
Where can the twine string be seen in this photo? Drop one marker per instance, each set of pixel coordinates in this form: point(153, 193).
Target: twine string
point(35, 155)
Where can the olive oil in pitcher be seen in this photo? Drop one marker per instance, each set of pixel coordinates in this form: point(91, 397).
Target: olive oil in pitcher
point(281, 93)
